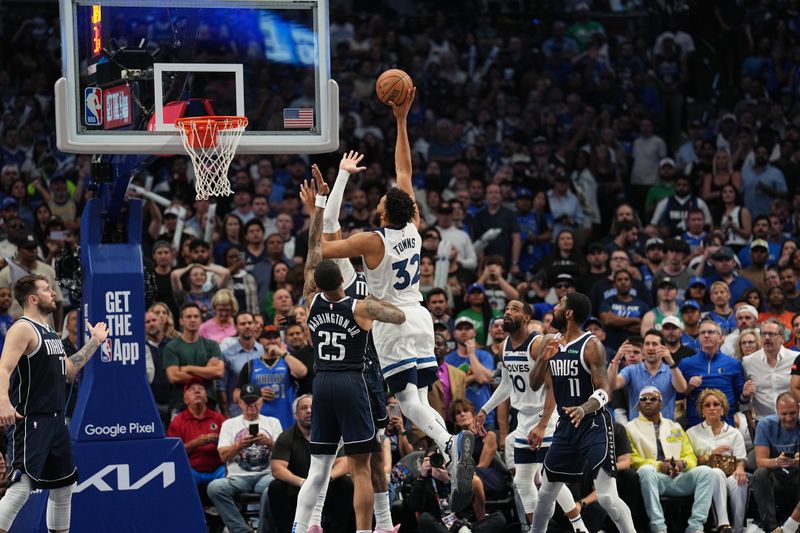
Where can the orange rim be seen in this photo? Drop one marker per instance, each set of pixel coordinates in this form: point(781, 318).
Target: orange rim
point(201, 132)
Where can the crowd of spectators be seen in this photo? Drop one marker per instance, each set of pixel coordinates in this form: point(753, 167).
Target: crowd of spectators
point(643, 153)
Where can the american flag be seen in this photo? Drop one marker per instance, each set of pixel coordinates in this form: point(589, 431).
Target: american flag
point(298, 117)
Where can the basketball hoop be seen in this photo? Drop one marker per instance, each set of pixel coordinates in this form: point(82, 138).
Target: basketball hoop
point(211, 143)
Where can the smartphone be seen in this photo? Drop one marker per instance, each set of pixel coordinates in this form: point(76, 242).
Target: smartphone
point(253, 430)
point(58, 235)
point(393, 409)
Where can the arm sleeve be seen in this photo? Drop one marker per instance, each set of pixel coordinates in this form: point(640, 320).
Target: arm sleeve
point(502, 392)
point(330, 217)
point(346, 268)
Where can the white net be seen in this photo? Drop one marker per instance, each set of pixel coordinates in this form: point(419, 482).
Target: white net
point(211, 144)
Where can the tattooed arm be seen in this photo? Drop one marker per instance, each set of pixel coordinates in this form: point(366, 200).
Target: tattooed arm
point(308, 194)
point(76, 362)
point(595, 356)
point(370, 308)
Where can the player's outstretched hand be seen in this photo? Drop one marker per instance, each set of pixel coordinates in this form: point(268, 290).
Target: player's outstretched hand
point(98, 332)
point(350, 161)
point(550, 350)
point(576, 414)
point(401, 111)
point(8, 415)
point(477, 424)
point(308, 195)
point(322, 187)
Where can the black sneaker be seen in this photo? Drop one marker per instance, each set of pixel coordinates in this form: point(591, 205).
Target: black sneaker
point(461, 469)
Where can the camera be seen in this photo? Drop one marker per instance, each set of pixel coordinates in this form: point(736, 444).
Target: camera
point(437, 460)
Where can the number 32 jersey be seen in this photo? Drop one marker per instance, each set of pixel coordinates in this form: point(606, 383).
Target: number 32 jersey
point(396, 278)
point(339, 342)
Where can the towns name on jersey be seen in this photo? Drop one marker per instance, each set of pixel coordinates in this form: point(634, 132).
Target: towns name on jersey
point(331, 318)
point(405, 244)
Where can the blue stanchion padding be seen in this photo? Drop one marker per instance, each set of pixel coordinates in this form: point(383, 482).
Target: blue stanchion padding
point(137, 486)
point(114, 398)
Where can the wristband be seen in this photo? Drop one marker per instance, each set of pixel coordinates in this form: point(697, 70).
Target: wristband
point(601, 396)
point(321, 201)
point(342, 174)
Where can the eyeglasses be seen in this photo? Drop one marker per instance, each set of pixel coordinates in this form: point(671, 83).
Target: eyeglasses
point(563, 286)
point(650, 399)
point(708, 333)
point(770, 334)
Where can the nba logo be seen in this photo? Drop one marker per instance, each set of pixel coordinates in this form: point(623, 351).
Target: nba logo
point(105, 351)
point(93, 106)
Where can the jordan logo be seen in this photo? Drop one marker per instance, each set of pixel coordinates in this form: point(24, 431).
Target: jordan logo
point(594, 424)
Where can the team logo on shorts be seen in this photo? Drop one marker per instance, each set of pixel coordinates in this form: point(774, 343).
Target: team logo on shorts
point(106, 351)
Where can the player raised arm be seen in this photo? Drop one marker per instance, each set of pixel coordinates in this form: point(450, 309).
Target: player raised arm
point(595, 356)
point(312, 193)
point(402, 152)
point(77, 361)
point(543, 347)
point(500, 394)
point(348, 165)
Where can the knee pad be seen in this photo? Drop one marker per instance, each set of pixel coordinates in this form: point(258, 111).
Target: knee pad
point(15, 497)
point(59, 506)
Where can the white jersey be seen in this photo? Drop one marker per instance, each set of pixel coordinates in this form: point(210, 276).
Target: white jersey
point(519, 364)
point(396, 278)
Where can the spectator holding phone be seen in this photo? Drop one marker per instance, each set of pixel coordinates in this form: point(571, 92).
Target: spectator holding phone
point(777, 458)
point(245, 446)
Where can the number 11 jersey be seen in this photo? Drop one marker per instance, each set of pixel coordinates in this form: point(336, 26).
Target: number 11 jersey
point(340, 344)
point(396, 278)
point(572, 378)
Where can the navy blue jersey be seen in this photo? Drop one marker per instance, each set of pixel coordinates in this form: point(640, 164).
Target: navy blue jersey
point(37, 383)
point(572, 379)
point(339, 342)
point(357, 288)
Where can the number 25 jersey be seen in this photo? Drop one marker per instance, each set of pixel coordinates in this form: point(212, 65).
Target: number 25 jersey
point(396, 278)
point(339, 342)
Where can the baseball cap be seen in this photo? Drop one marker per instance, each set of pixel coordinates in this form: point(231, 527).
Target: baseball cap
point(270, 332)
point(649, 390)
point(723, 253)
point(540, 139)
point(445, 208)
point(666, 161)
point(747, 308)
point(9, 202)
point(463, 320)
point(520, 158)
point(672, 321)
point(250, 393)
point(729, 116)
point(698, 280)
point(667, 281)
point(439, 324)
point(583, 6)
point(523, 192)
point(654, 241)
point(593, 320)
point(28, 241)
point(759, 243)
point(192, 381)
point(595, 246)
point(565, 278)
point(476, 287)
point(690, 303)
point(172, 211)
point(696, 124)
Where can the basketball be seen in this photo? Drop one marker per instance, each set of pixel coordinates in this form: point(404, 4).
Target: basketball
point(393, 85)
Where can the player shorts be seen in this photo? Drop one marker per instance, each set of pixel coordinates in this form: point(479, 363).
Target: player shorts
point(591, 445)
point(342, 410)
point(405, 347)
point(377, 395)
point(523, 453)
point(40, 447)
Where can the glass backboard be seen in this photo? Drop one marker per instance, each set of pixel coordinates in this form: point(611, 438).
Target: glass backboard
point(131, 67)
